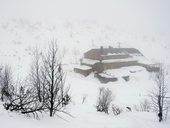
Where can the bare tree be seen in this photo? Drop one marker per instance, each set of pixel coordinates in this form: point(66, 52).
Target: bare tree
point(46, 93)
point(6, 82)
point(54, 80)
point(159, 95)
point(35, 74)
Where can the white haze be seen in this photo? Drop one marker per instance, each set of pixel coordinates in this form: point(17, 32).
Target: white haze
point(143, 24)
point(139, 14)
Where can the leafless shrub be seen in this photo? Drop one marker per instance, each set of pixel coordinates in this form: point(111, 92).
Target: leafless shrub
point(145, 106)
point(66, 96)
point(104, 100)
point(136, 108)
point(6, 82)
point(24, 100)
point(116, 110)
point(159, 95)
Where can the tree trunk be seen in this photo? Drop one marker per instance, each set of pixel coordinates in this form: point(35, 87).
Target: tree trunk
point(51, 107)
point(160, 108)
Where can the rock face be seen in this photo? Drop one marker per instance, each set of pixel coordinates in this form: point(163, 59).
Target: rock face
point(112, 58)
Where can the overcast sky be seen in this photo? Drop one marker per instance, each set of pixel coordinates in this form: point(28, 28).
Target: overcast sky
point(125, 12)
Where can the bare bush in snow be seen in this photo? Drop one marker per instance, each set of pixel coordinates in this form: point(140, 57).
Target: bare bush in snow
point(24, 100)
point(6, 82)
point(116, 110)
point(104, 100)
point(144, 106)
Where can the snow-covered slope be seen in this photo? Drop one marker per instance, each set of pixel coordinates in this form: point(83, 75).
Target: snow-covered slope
point(85, 115)
point(19, 36)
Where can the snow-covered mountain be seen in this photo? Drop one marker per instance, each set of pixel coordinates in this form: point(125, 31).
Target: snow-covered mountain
point(20, 36)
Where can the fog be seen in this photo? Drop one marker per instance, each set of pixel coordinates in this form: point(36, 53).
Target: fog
point(138, 14)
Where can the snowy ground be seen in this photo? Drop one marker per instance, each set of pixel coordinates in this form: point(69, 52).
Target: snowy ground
point(85, 115)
